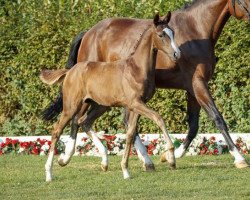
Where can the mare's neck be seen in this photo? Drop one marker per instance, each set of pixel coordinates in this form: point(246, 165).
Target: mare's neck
point(211, 17)
point(143, 55)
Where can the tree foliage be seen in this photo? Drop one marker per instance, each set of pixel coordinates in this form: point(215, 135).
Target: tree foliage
point(37, 35)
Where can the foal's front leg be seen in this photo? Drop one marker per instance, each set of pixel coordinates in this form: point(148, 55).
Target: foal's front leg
point(142, 109)
point(132, 121)
point(141, 150)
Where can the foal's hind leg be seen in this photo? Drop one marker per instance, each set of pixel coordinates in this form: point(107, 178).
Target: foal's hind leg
point(132, 121)
point(58, 128)
point(142, 109)
point(64, 158)
point(141, 150)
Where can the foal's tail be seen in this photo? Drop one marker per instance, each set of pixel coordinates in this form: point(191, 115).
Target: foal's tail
point(55, 107)
point(53, 76)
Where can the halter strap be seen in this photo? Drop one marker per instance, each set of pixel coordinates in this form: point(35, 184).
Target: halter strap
point(240, 4)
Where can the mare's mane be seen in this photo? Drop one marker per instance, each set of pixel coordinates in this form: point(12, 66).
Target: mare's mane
point(188, 5)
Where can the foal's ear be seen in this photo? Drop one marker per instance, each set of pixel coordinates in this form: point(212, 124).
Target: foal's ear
point(156, 18)
point(167, 18)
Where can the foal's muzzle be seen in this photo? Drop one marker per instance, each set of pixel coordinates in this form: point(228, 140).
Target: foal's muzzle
point(177, 55)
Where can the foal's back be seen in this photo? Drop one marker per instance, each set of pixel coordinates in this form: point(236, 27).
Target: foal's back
point(107, 83)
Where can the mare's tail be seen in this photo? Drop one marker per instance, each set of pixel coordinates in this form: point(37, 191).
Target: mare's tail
point(53, 76)
point(55, 108)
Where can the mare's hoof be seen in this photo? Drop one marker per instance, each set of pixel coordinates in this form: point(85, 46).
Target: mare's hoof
point(149, 167)
point(242, 164)
point(104, 167)
point(172, 166)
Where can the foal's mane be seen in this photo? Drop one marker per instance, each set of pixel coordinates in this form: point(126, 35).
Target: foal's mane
point(140, 39)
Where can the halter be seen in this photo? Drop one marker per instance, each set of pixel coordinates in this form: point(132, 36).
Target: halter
point(241, 5)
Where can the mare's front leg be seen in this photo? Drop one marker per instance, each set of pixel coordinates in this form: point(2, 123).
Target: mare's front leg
point(141, 150)
point(142, 109)
point(89, 118)
point(203, 96)
point(193, 113)
point(131, 127)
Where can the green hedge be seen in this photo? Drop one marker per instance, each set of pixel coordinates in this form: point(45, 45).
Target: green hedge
point(37, 35)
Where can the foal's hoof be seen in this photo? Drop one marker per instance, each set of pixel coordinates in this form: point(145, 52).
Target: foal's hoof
point(242, 164)
point(149, 167)
point(61, 163)
point(104, 167)
point(163, 157)
point(172, 163)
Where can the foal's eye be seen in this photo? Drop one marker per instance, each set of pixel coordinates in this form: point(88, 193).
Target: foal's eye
point(163, 34)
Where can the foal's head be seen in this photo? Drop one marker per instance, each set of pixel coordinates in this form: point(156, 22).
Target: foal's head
point(164, 37)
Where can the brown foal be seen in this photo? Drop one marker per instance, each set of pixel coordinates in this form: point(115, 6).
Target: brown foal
point(128, 83)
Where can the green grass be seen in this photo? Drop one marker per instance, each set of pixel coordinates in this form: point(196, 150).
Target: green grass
point(200, 177)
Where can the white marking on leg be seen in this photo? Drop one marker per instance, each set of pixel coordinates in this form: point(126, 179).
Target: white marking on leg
point(69, 151)
point(126, 174)
point(142, 151)
point(237, 156)
point(48, 166)
point(100, 147)
point(180, 151)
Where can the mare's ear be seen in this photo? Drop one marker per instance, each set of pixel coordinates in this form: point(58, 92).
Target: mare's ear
point(156, 19)
point(168, 17)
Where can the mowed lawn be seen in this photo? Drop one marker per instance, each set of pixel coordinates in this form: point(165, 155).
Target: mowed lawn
point(198, 177)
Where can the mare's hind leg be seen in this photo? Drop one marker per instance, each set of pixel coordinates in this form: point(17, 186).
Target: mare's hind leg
point(193, 111)
point(132, 121)
point(141, 108)
point(204, 98)
point(141, 150)
point(64, 158)
point(95, 112)
point(58, 128)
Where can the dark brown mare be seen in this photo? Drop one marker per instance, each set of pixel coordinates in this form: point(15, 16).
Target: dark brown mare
point(127, 82)
point(197, 29)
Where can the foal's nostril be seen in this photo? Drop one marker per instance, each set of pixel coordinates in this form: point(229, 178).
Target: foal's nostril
point(176, 55)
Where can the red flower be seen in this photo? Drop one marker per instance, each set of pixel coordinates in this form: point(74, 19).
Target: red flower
point(8, 141)
point(14, 142)
point(212, 138)
point(2, 145)
point(216, 151)
point(35, 151)
point(109, 137)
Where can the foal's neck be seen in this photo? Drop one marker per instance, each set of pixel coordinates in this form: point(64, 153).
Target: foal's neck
point(144, 54)
point(212, 15)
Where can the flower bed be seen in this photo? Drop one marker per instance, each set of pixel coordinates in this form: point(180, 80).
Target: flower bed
point(202, 145)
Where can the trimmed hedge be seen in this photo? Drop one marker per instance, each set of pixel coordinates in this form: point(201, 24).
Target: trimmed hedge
point(37, 35)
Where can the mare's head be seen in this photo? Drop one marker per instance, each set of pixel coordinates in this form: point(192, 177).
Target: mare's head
point(164, 37)
point(239, 9)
